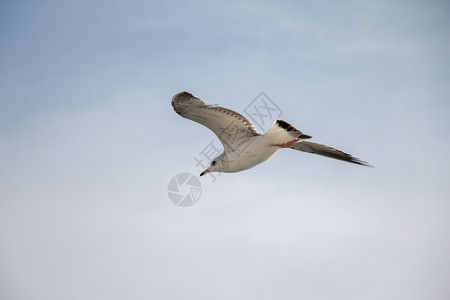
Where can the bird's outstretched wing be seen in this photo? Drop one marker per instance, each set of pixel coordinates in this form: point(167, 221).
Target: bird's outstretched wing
point(231, 127)
point(328, 152)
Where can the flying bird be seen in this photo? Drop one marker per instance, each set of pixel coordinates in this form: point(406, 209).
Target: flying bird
point(244, 147)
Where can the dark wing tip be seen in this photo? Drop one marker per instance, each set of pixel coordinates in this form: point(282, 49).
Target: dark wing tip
point(184, 101)
point(288, 127)
point(285, 125)
point(355, 160)
point(328, 152)
point(362, 163)
point(181, 97)
point(304, 136)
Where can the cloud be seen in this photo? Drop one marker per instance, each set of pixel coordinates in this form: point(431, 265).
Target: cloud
point(90, 142)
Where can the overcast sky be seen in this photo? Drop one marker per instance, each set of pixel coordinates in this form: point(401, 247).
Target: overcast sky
point(89, 143)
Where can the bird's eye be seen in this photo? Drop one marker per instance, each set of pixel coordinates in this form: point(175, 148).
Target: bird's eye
point(213, 162)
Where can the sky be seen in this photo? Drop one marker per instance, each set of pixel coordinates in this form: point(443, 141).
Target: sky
point(89, 143)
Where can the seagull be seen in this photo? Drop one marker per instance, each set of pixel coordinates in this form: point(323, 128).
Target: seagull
point(244, 147)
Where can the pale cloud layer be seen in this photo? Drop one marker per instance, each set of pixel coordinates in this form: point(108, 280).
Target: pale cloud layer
point(89, 142)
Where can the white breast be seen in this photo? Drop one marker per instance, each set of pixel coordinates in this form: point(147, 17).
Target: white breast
point(250, 154)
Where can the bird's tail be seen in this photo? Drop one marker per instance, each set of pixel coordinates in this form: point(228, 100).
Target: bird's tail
point(284, 135)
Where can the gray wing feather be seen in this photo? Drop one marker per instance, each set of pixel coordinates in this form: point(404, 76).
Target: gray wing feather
point(328, 152)
point(231, 127)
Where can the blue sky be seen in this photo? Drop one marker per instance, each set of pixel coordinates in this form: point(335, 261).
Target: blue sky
point(89, 142)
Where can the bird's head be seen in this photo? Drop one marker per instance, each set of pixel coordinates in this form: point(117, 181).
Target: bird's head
point(216, 165)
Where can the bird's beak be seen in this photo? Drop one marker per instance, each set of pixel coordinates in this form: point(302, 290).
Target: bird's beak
point(204, 172)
